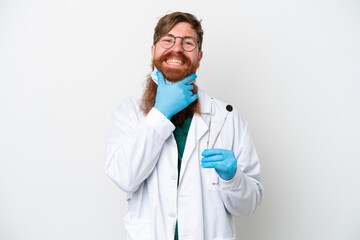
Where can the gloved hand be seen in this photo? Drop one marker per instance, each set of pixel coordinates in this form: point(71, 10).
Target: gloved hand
point(222, 160)
point(172, 98)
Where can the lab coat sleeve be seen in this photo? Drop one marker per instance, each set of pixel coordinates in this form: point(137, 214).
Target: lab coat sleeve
point(244, 192)
point(134, 144)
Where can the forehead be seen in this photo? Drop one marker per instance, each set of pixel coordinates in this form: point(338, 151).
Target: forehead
point(183, 29)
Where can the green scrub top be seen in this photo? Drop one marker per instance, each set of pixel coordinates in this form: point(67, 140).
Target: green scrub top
point(180, 134)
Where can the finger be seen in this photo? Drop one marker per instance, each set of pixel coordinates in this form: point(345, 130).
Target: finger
point(221, 167)
point(211, 152)
point(215, 158)
point(189, 87)
point(189, 93)
point(161, 79)
point(189, 79)
point(217, 166)
point(209, 165)
point(193, 98)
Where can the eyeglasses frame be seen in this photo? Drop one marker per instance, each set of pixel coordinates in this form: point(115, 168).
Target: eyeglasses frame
point(182, 39)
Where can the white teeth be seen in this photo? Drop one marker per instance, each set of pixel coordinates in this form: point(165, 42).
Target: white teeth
point(174, 62)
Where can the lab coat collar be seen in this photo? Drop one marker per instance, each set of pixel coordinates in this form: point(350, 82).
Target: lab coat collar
point(205, 102)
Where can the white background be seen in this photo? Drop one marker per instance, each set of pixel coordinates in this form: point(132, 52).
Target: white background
point(290, 67)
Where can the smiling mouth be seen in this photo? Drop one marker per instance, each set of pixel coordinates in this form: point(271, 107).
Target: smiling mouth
point(174, 62)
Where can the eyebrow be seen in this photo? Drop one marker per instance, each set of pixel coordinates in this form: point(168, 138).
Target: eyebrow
point(170, 35)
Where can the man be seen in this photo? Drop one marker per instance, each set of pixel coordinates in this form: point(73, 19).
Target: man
point(185, 160)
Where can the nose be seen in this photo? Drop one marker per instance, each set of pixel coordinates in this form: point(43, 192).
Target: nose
point(178, 46)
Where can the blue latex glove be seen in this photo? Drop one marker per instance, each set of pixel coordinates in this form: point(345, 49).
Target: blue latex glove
point(222, 160)
point(172, 98)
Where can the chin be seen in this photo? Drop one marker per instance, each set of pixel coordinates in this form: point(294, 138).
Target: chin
point(175, 74)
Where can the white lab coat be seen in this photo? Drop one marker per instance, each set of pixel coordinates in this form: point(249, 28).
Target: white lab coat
point(141, 158)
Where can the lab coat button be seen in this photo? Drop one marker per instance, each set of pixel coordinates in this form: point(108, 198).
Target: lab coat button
point(172, 215)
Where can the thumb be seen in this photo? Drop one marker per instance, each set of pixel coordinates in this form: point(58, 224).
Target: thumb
point(161, 79)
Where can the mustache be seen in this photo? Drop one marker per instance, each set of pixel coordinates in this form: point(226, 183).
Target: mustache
point(179, 55)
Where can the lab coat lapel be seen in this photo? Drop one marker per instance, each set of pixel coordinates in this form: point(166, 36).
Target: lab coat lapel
point(197, 130)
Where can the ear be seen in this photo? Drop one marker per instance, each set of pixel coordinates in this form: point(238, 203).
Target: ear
point(200, 56)
point(152, 51)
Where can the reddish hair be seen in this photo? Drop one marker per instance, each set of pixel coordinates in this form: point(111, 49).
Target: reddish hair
point(167, 22)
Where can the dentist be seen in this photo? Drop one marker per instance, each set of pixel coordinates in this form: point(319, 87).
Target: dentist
point(158, 149)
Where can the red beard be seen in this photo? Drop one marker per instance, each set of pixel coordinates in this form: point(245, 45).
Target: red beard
point(173, 75)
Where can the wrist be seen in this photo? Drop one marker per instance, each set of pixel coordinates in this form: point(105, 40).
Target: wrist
point(165, 113)
point(226, 177)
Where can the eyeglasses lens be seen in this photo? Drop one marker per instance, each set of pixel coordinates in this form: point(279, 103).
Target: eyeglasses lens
point(188, 43)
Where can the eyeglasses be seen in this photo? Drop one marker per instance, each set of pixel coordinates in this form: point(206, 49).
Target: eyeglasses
point(188, 43)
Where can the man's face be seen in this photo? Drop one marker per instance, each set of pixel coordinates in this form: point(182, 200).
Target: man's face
point(176, 63)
